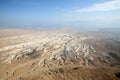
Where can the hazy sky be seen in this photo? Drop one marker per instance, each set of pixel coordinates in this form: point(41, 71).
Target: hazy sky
point(60, 13)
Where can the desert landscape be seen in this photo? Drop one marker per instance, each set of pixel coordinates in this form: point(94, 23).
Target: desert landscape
point(59, 39)
point(64, 54)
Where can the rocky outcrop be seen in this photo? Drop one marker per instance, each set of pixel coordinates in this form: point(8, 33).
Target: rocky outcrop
point(20, 54)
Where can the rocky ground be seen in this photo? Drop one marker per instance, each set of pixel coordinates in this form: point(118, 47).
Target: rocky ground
point(58, 55)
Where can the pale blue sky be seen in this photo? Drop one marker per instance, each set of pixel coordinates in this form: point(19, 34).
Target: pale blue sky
point(60, 13)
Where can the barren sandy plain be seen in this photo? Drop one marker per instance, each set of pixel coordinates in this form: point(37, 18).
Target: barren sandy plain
point(34, 54)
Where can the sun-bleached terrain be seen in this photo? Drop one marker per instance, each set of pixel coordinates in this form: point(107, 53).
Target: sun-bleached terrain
point(58, 55)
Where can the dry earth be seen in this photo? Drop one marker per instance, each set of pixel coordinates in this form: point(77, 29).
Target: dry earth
point(58, 55)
